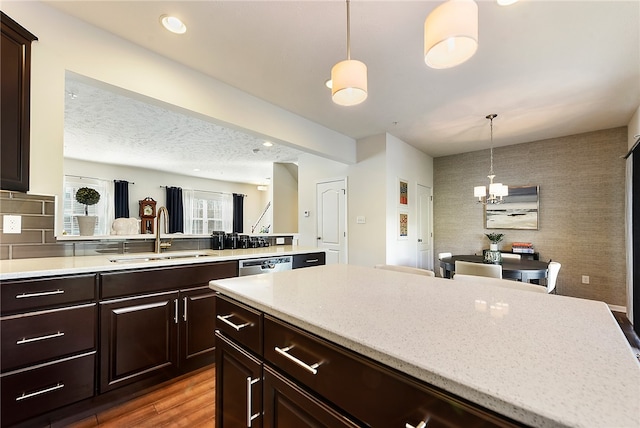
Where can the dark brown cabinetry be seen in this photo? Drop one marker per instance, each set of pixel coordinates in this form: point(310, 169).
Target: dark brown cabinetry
point(15, 75)
point(157, 323)
point(309, 381)
point(309, 259)
point(48, 345)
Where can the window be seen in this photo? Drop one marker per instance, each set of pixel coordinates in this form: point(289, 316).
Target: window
point(206, 212)
point(72, 208)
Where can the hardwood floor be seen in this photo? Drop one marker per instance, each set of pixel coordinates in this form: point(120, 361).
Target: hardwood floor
point(189, 402)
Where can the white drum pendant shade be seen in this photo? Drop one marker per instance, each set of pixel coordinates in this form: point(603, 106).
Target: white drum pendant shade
point(349, 79)
point(451, 34)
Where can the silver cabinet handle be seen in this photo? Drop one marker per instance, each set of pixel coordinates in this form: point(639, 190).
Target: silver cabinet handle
point(43, 293)
point(422, 424)
point(184, 313)
point(36, 339)
point(24, 396)
point(250, 417)
point(237, 327)
point(312, 261)
point(310, 368)
point(175, 316)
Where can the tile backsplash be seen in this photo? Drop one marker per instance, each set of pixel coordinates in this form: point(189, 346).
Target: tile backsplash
point(37, 237)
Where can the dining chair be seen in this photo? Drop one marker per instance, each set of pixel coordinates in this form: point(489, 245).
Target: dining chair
point(479, 269)
point(440, 257)
point(406, 269)
point(552, 276)
point(505, 283)
point(511, 256)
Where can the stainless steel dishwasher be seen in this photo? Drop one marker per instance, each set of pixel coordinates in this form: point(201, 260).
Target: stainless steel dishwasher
point(265, 265)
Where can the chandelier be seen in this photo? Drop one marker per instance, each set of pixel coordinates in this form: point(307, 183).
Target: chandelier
point(496, 190)
point(349, 77)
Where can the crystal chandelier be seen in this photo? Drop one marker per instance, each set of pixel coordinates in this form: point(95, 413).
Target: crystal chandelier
point(496, 190)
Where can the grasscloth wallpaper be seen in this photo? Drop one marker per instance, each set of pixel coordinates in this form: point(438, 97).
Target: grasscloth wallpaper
point(581, 220)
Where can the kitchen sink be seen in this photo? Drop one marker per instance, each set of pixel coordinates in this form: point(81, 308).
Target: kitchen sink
point(146, 257)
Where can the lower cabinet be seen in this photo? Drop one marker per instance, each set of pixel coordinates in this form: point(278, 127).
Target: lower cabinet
point(287, 405)
point(238, 386)
point(139, 339)
point(197, 328)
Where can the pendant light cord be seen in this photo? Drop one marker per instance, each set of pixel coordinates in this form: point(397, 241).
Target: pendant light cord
point(491, 117)
point(348, 32)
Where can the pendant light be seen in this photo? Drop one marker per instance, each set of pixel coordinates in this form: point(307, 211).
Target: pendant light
point(451, 33)
point(349, 77)
point(496, 190)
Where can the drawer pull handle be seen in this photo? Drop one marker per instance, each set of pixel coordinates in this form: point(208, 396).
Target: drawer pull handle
point(225, 319)
point(310, 368)
point(44, 293)
point(312, 260)
point(422, 424)
point(24, 396)
point(250, 417)
point(35, 339)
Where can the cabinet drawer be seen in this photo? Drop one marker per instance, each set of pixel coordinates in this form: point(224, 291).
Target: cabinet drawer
point(240, 323)
point(374, 394)
point(130, 283)
point(33, 294)
point(28, 393)
point(309, 259)
point(41, 336)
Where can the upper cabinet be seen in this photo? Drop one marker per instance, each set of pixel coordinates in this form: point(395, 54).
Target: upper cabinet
point(15, 73)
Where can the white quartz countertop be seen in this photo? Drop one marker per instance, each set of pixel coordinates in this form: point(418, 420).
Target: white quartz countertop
point(46, 266)
point(543, 360)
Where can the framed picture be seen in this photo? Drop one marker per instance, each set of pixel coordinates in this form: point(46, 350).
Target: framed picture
point(403, 192)
point(518, 211)
point(403, 225)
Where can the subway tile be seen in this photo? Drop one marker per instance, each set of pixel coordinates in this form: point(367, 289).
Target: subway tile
point(26, 237)
point(4, 252)
point(49, 237)
point(139, 246)
point(42, 250)
point(18, 206)
point(4, 194)
point(49, 208)
point(37, 222)
point(93, 248)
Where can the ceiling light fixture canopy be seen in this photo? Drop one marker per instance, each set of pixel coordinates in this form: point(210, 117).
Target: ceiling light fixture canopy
point(496, 190)
point(451, 34)
point(349, 77)
point(173, 24)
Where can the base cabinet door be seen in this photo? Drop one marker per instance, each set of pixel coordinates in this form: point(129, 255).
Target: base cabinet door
point(238, 386)
point(197, 328)
point(138, 339)
point(286, 405)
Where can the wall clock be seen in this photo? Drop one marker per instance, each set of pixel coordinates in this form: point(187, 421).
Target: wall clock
point(147, 215)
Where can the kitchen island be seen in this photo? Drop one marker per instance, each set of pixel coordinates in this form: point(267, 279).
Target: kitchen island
point(537, 359)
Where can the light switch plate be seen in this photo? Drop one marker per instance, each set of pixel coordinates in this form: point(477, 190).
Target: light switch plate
point(12, 224)
point(279, 241)
point(360, 219)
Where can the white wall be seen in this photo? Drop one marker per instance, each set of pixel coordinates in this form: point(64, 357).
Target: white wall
point(406, 162)
point(148, 182)
point(65, 43)
point(285, 198)
point(367, 198)
point(633, 128)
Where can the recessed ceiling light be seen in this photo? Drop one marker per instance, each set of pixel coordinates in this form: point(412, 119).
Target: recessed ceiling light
point(267, 144)
point(173, 24)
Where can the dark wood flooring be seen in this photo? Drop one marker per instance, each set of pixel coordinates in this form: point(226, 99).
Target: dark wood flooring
point(188, 402)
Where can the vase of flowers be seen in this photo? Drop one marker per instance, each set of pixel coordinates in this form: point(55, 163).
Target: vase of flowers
point(493, 254)
point(87, 223)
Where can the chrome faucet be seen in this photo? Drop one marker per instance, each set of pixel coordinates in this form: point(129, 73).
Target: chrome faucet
point(162, 212)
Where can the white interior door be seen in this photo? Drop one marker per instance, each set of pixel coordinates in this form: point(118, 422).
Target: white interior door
point(425, 235)
point(331, 206)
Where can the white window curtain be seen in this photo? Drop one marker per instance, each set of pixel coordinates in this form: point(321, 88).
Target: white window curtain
point(104, 210)
point(205, 212)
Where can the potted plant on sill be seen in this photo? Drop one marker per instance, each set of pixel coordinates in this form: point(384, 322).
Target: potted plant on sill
point(87, 223)
point(493, 254)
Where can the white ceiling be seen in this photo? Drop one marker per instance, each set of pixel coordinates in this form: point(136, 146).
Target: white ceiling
point(547, 68)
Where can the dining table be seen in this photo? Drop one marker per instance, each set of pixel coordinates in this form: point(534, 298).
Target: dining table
point(512, 268)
